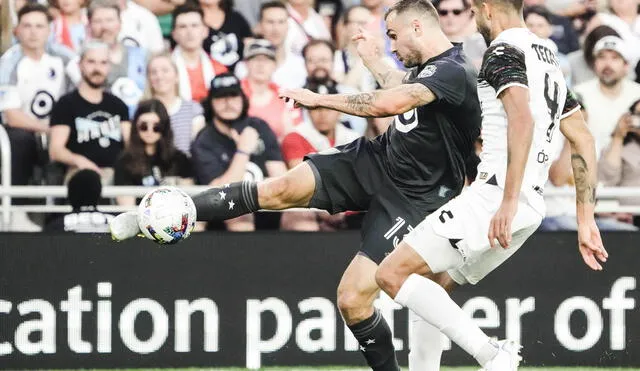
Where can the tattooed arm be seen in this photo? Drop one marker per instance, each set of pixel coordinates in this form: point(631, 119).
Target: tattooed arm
point(387, 76)
point(379, 103)
point(583, 161)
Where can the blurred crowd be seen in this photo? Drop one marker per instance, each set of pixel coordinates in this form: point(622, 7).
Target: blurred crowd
point(178, 92)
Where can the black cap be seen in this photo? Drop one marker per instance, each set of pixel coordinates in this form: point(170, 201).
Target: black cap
point(84, 189)
point(225, 85)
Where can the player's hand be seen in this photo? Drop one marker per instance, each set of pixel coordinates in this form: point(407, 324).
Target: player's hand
point(301, 97)
point(500, 227)
point(590, 245)
point(247, 141)
point(367, 45)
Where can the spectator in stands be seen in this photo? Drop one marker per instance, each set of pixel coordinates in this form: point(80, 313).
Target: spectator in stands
point(563, 33)
point(196, 68)
point(319, 58)
point(458, 23)
point(227, 31)
point(330, 11)
point(89, 125)
point(186, 115)
point(274, 27)
point(70, 26)
point(260, 58)
point(140, 28)
point(127, 75)
point(610, 95)
point(32, 79)
point(163, 10)
point(619, 165)
point(349, 68)
point(624, 18)
point(151, 159)
point(83, 192)
point(305, 24)
point(538, 21)
point(234, 146)
point(581, 61)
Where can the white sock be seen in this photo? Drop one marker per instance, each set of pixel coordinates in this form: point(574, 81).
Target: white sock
point(426, 346)
point(431, 302)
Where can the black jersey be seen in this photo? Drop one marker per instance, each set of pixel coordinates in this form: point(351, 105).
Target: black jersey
point(426, 148)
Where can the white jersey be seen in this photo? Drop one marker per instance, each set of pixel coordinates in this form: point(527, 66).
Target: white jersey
point(519, 58)
point(33, 86)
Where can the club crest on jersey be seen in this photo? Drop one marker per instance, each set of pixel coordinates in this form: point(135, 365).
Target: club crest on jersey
point(428, 71)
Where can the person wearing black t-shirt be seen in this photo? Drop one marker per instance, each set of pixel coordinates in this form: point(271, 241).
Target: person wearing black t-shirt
point(151, 159)
point(227, 31)
point(234, 146)
point(89, 125)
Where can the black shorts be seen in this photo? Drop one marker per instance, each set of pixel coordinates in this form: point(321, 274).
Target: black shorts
point(353, 178)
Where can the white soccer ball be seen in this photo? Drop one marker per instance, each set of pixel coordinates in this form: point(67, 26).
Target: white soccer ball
point(166, 215)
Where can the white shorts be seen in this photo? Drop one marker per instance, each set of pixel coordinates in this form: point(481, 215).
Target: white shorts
point(455, 239)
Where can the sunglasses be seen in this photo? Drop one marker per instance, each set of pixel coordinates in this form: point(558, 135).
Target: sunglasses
point(145, 126)
point(445, 12)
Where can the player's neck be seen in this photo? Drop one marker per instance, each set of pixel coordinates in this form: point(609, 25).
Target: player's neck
point(34, 54)
point(506, 21)
point(90, 94)
point(436, 47)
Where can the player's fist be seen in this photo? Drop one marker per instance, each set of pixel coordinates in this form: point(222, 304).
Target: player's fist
point(247, 141)
point(368, 46)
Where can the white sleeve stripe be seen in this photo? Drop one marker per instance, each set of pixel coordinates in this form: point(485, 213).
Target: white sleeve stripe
point(504, 87)
point(565, 115)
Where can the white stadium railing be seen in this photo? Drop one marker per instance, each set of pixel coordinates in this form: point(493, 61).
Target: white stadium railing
point(606, 196)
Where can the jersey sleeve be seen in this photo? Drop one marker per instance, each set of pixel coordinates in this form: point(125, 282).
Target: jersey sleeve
point(504, 66)
point(446, 81)
point(571, 105)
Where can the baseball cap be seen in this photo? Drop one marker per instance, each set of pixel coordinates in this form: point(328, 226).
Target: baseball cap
point(611, 43)
point(259, 47)
point(225, 85)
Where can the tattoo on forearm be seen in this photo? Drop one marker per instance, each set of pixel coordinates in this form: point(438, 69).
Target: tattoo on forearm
point(585, 190)
point(361, 104)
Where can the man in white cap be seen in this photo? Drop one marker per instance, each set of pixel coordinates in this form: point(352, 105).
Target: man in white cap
point(609, 95)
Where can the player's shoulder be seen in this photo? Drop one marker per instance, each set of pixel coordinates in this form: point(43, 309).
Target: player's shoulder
point(452, 64)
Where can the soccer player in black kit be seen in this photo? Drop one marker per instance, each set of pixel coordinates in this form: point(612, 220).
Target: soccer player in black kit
point(398, 178)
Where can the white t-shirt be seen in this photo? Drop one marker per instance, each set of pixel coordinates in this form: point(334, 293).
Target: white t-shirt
point(603, 111)
point(33, 86)
point(517, 57)
point(141, 28)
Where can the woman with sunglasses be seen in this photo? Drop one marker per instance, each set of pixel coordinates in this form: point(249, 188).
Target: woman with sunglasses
point(151, 159)
point(185, 116)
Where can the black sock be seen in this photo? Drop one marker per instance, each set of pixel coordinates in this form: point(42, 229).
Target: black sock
point(227, 202)
point(376, 343)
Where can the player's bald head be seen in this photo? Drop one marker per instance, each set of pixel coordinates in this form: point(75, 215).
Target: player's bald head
point(516, 5)
point(420, 9)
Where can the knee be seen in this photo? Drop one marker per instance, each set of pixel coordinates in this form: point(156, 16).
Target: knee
point(389, 279)
point(353, 306)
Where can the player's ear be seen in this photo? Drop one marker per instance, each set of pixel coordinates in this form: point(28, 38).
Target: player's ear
point(417, 26)
point(486, 8)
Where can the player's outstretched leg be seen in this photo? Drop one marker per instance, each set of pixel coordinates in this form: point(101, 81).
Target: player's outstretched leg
point(356, 292)
point(402, 276)
point(293, 189)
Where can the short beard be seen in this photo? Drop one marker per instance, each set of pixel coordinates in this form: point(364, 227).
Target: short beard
point(227, 121)
point(412, 60)
point(486, 35)
point(93, 85)
point(609, 82)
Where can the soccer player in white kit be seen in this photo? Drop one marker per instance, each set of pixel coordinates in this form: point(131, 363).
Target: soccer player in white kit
point(525, 102)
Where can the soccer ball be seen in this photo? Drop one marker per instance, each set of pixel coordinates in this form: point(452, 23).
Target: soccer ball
point(166, 215)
